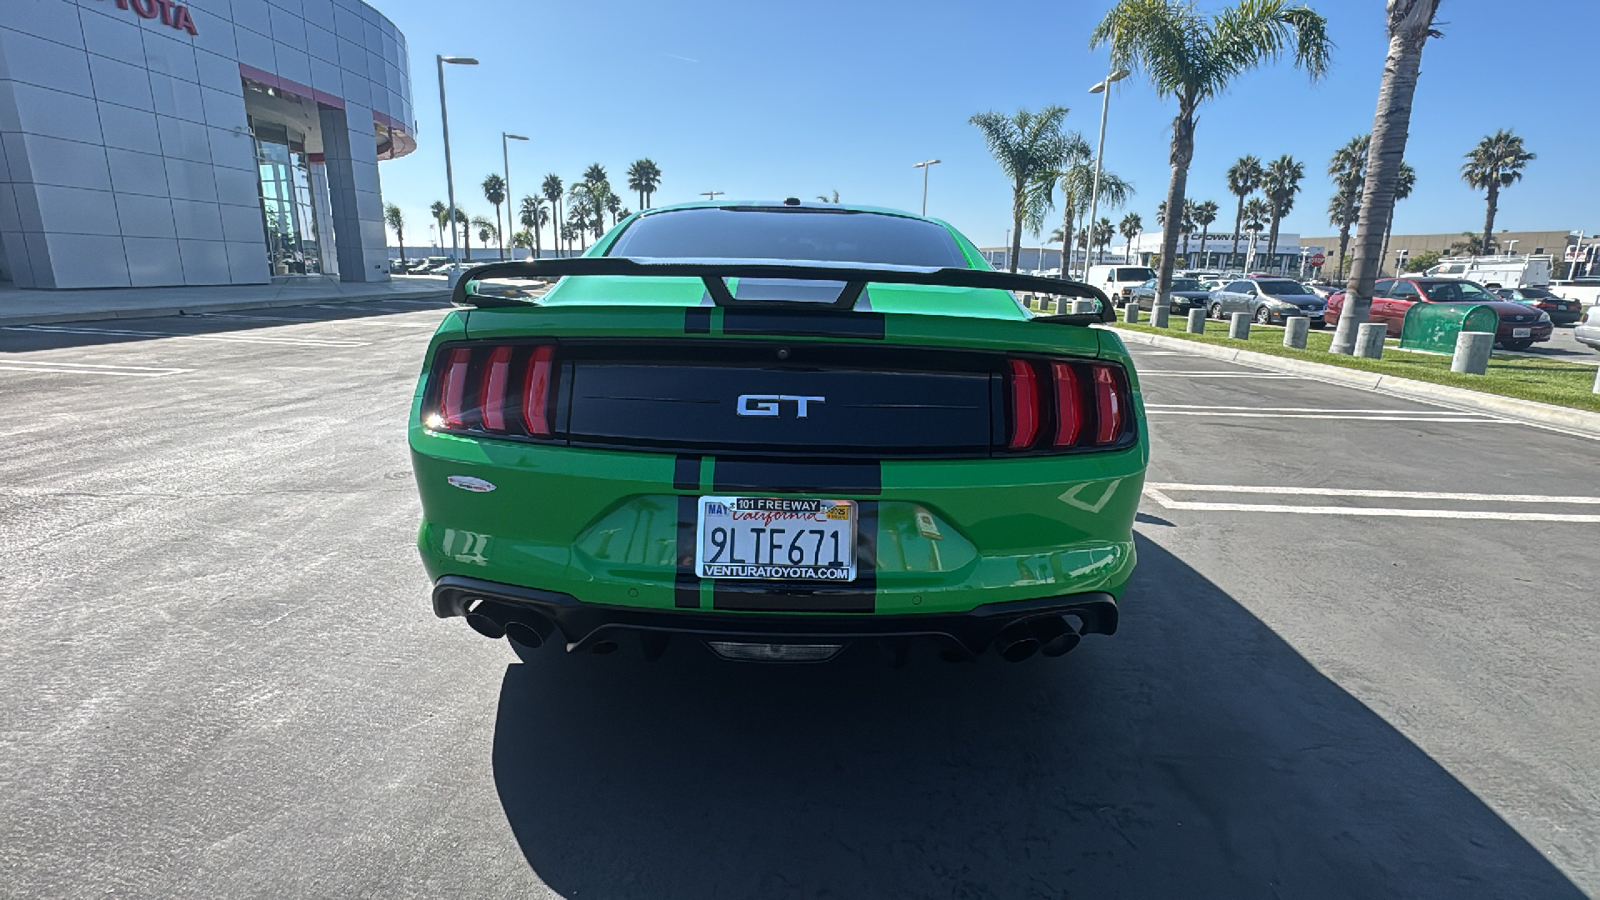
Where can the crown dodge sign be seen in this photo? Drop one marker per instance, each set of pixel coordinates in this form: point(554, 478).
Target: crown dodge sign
point(170, 14)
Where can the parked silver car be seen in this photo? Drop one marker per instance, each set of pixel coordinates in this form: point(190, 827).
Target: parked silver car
point(1269, 300)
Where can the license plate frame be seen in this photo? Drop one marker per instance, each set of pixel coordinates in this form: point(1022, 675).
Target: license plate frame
point(747, 550)
point(1521, 332)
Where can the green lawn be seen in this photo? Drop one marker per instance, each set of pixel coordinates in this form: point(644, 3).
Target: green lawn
point(1524, 377)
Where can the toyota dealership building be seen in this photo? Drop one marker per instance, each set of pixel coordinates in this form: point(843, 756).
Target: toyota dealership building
point(202, 142)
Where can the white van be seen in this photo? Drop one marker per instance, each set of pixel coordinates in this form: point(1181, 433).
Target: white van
point(1118, 282)
point(1507, 271)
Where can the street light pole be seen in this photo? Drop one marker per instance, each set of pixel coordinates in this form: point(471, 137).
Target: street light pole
point(1104, 90)
point(449, 177)
point(505, 159)
point(925, 165)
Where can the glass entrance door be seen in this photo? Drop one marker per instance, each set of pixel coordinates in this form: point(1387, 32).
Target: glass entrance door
point(286, 211)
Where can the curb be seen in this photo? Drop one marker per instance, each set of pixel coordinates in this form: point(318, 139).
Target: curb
point(1576, 421)
point(152, 312)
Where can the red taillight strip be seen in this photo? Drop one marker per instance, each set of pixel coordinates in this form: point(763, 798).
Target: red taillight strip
point(1108, 406)
point(1024, 405)
point(452, 395)
point(492, 393)
point(1069, 411)
point(535, 408)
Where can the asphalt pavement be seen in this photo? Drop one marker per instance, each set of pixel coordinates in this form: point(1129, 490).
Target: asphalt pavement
point(1358, 659)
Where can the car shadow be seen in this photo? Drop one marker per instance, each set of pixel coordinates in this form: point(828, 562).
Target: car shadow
point(1194, 754)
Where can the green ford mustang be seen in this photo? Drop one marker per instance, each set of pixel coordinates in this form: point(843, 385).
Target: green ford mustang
point(777, 430)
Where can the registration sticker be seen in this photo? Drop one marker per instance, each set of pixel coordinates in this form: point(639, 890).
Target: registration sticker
point(777, 538)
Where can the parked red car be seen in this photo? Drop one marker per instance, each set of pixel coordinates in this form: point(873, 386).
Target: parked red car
point(1520, 325)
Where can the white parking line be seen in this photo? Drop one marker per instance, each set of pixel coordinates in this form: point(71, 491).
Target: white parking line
point(1146, 373)
point(66, 368)
point(1157, 492)
point(221, 338)
point(1482, 420)
point(1305, 409)
point(295, 320)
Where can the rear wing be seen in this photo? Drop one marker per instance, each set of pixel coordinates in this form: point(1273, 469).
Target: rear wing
point(473, 289)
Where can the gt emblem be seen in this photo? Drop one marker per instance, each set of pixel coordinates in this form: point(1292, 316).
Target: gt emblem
point(767, 404)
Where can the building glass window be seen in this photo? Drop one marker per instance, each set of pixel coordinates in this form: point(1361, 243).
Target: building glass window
point(286, 212)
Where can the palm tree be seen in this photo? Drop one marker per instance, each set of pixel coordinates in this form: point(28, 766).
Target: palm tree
point(1402, 189)
point(1076, 180)
point(494, 191)
point(613, 206)
point(1193, 57)
point(1496, 163)
point(463, 223)
point(1280, 182)
point(1472, 244)
point(487, 231)
point(525, 239)
point(1131, 227)
point(551, 189)
point(1205, 212)
point(1161, 213)
point(1244, 179)
point(599, 185)
point(824, 197)
point(534, 215)
point(1348, 169)
point(1256, 214)
point(1410, 24)
point(643, 177)
point(439, 210)
point(578, 220)
point(1026, 145)
point(1103, 234)
point(397, 220)
point(1188, 227)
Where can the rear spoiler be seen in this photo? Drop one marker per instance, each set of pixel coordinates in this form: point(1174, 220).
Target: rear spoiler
point(712, 273)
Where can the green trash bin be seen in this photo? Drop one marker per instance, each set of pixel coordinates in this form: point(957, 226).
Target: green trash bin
point(1433, 327)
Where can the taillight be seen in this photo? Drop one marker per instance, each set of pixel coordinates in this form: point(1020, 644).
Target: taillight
point(486, 387)
point(536, 394)
point(1080, 406)
point(1024, 405)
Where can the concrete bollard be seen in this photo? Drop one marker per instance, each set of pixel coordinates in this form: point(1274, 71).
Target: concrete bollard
point(1081, 307)
point(1472, 352)
point(1239, 326)
point(1197, 321)
point(1130, 314)
point(1159, 314)
point(1369, 340)
point(1597, 381)
point(1295, 330)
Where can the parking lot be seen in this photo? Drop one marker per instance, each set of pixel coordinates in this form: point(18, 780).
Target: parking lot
point(1358, 659)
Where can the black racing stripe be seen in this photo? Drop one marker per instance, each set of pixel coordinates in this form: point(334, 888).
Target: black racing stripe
point(797, 477)
point(686, 584)
point(686, 473)
point(697, 320)
point(859, 596)
point(820, 323)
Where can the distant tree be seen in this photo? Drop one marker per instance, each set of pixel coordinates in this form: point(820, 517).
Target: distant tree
point(1104, 233)
point(613, 206)
point(1496, 163)
point(1026, 145)
point(494, 191)
point(551, 188)
point(524, 239)
point(1188, 227)
point(533, 216)
point(824, 197)
point(1423, 261)
point(487, 231)
point(1205, 212)
point(440, 212)
point(1256, 213)
point(1404, 183)
point(1348, 169)
point(644, 177)
point(464, 223)
point(1131, 227)
point(397, 220)
point(1472, 244)
point(1280, 183)
point(1244, 179)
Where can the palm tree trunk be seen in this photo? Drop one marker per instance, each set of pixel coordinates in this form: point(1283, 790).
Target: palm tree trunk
point(1204, 233)
point(1182, 152)
point(1488, 219)
point(1066, 215)
point(1344, 243)
point(1383, 255)
point(1272, 235)
point(1410, 22)
point(1127, 255)
point(1238, 222)
point(1015, 249)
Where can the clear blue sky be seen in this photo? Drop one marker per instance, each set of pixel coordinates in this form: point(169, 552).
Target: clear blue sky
point(767, 100)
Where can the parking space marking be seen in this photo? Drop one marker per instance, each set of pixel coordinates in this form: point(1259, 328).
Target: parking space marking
point(297, 320)
point(1157, 491)
point(222, 338)
point(1334, 414)
point(1157, 373)
point(67, 368)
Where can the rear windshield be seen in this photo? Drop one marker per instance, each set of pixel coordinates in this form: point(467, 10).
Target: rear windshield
point(1185, 284)
point(1134, 274)
point(1537, 293)
point(809, 235)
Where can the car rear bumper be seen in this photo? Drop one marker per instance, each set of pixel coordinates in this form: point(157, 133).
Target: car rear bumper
point(1538, 332)
point(1015, 629)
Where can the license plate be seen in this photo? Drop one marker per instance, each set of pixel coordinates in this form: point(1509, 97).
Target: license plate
point(777, 538)
point(1521, 332)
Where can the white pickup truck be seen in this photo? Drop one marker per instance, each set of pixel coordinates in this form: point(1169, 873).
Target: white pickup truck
point(1506, 270)
point(1584, 290)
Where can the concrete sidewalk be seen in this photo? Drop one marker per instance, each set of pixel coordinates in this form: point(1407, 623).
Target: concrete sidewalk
point(30, 307)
